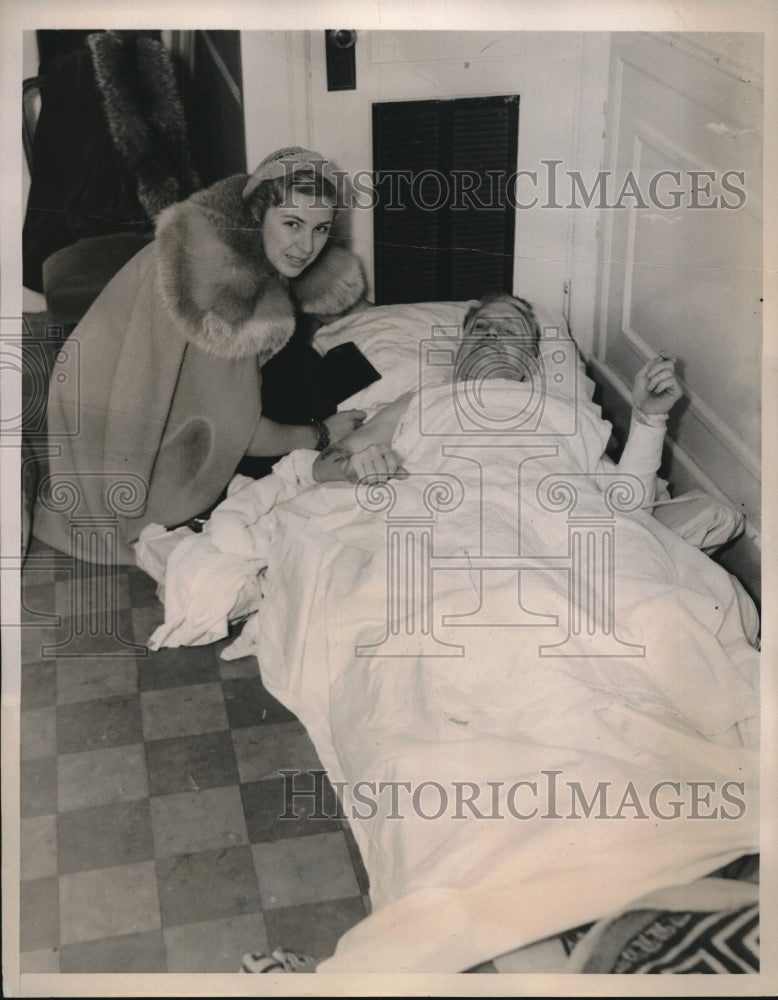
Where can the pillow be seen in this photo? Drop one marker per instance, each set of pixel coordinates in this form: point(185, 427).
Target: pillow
point(396, 339)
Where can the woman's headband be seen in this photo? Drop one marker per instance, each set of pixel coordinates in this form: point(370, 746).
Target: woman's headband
point(284, 162)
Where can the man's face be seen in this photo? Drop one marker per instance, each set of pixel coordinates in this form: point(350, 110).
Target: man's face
point(498, 342)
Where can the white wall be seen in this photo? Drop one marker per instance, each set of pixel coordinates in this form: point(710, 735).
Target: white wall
point(560, 77)
point(276, 73)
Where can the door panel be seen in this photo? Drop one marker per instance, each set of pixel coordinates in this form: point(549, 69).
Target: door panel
point(682, 254)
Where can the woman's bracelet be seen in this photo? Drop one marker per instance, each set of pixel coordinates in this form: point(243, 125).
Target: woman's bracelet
point(323, 431)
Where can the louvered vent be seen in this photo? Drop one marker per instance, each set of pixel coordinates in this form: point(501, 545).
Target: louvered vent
point(443, 226)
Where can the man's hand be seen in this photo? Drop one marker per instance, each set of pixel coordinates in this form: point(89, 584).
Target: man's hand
point(377, 463)
point(366, 450)
point(656, 389)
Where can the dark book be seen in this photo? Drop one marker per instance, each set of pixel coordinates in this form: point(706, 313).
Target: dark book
point(348, 371)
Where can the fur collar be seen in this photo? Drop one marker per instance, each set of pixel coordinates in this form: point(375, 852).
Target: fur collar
point(220, 288)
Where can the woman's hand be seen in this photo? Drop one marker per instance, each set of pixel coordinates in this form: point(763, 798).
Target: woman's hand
point(343, 423)
point(656, 389)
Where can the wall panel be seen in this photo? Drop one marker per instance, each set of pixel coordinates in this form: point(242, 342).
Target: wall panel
point(682, 259)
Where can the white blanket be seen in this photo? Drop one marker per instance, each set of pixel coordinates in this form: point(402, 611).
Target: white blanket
point(209, 579)
point(656, 741)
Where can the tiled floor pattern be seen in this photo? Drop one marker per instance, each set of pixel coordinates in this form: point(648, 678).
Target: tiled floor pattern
point(151, 837)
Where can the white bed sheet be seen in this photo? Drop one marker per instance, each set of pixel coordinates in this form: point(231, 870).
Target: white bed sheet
point(452, 891)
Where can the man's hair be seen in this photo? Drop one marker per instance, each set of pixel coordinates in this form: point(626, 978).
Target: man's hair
point(521, 306)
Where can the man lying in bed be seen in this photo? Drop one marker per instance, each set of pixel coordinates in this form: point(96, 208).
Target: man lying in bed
point(500, 340)
point(684, 708)
point(500, 347)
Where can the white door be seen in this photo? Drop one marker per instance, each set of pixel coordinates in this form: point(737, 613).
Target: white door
point(682, 244)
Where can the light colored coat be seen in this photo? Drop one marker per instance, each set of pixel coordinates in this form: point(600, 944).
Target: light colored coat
point(156, 395)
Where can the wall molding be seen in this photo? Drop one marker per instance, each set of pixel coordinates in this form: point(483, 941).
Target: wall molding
point(690, 42)
point(653, 139)
point(734, 444)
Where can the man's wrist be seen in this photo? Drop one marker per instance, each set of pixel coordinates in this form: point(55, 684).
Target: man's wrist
point(649, 419)
point(334, 457)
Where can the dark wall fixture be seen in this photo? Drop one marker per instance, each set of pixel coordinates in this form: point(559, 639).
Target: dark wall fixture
point(340, 47)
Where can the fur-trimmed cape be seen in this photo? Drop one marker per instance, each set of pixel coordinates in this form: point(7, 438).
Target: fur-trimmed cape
point(157, 395)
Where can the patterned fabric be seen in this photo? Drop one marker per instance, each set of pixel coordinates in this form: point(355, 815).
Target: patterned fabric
point(278, 961)
point(710, 926)
point(648, 941)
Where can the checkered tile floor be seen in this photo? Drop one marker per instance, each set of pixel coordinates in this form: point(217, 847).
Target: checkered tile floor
point(151, 837)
